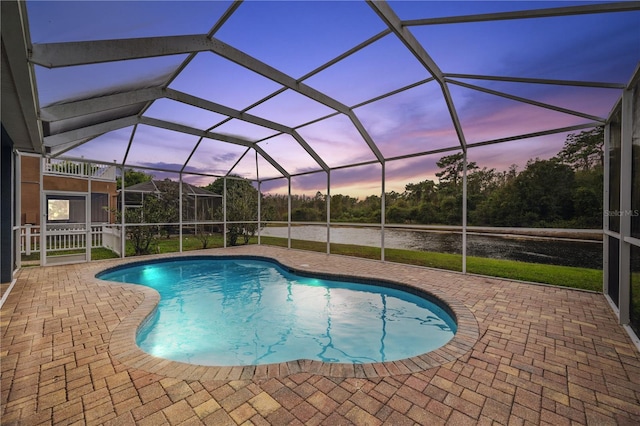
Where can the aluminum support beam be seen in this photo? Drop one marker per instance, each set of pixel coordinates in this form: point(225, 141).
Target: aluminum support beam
point(89, 131)
point(528, 101)
point(347, 54)
point(273, 74)
point(389, 17)
point(212, 135)
point(190, 57)
point(224, 110)
point(103, 103)
point(131, 137)
point(193, 151)
point(309, 150)
point(527, 14)
point(225, 16)
point(180, 212)
point(15, 46)
point(536, 134)
point(605, 208)
point(578, 83)
point(383, 209)
point(249, 118)
point(59, 150)
point(465, 181)
point(328, 211)
point(232, 168)
point(454, 116)
point(626, 163)
point(55, 55)
point(193, 131)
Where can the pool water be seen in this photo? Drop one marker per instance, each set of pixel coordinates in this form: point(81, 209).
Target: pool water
point(237, 311)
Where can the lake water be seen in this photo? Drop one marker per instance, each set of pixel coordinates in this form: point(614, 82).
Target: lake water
point(554, 251)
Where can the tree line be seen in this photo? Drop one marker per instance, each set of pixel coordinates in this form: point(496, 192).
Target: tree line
point(563, 191)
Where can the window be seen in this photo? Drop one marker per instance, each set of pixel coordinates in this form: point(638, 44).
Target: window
point(58, 210)
point(66, 209)
point(99, 208)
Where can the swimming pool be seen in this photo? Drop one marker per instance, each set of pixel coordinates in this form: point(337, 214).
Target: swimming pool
point(247, 311)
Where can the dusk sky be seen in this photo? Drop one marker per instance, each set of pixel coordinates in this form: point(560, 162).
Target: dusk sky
point(298, 37)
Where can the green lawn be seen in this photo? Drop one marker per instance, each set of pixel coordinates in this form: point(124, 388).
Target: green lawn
point(96, 254)
point(583, 278)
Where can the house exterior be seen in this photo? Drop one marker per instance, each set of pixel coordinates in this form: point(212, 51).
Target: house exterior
point(60, 181)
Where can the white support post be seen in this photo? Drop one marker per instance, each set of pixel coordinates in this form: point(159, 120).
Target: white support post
point(328, 207)
point(224, 212)
point(289, 214)
point(605, 209)
point(42, 219)
point(464, 213)
point(259, 195)
point(383, 209)
point(17, 219)
point(625, 206)
point(87, 220)
point(180, 211)
point(259, 209)
point(27, 239)
point(123, 209)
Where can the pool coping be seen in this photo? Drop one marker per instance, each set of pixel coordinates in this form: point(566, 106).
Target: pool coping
point(123, 347)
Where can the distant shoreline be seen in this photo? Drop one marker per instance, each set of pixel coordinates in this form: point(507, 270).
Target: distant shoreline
point(592, 235)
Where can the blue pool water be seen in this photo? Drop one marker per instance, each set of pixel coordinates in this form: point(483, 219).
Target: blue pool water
point(239, 311)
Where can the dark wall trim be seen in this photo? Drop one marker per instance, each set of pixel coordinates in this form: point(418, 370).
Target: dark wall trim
point(6, 203)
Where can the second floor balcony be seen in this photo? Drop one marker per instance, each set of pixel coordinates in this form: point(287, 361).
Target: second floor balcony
point(78, 169)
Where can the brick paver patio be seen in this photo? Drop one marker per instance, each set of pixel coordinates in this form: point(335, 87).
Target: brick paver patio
point(524, 354)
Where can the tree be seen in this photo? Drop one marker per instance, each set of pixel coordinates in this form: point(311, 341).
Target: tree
point(453, 166)
point(398, 213)
point(133, 177)
point(143, 237)
point(584, 151)
point(344, 208)
point(563, 191)
point(204, 234)
point(320, 202)
point(242, 207)
point(275, 207)
point(306, 214)
point(170, 196)
point(420, 192)
point(501, 208)
point(481, 184)
point(369, 209)
point(545, 189)
point(587, 198)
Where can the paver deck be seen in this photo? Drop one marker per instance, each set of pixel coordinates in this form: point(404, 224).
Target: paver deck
point(526, 354)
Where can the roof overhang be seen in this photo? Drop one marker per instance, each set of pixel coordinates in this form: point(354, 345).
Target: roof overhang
point(19, 100)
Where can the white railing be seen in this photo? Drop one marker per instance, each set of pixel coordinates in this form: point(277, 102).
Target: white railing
point(29, 239)
point(69, 237)
point(112, 238)
point(54, 166)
